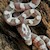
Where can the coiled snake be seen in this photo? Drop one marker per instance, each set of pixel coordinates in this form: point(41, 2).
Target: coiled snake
point(22, 21)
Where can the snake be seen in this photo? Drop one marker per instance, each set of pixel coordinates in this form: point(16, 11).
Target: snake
point(25, 6)
point(22, 21)
point(46, 40)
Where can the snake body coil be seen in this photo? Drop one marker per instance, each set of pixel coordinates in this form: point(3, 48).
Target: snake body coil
point(23, 21)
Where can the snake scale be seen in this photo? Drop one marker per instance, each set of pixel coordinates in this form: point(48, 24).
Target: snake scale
point(22, 22)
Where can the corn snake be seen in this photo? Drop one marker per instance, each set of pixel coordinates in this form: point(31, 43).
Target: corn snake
point(22, 23)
